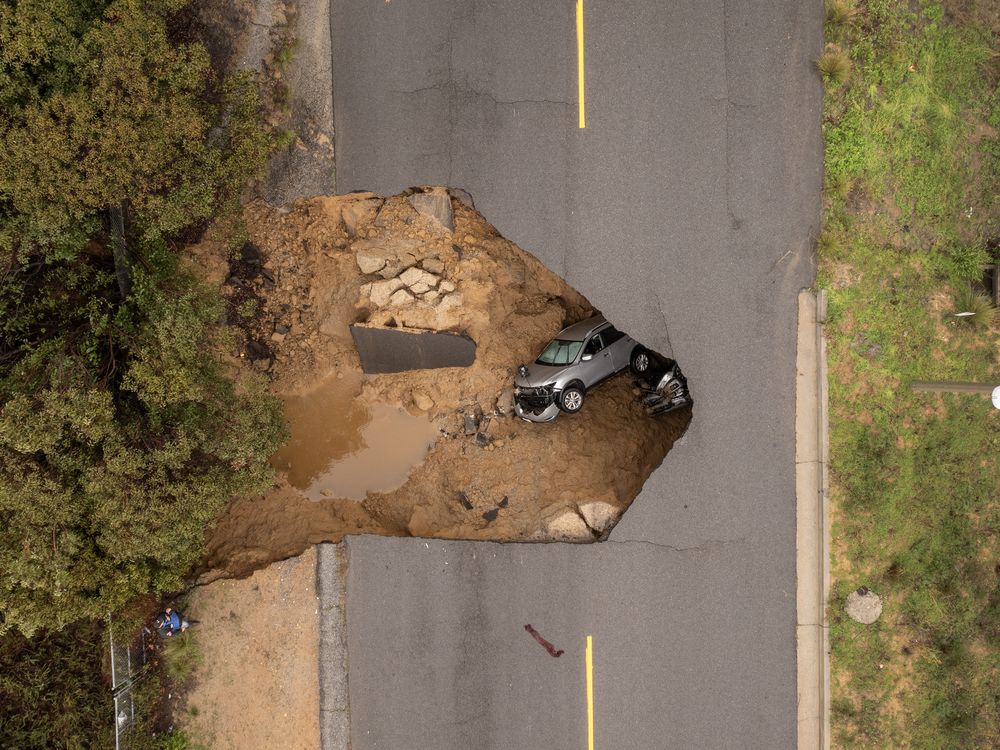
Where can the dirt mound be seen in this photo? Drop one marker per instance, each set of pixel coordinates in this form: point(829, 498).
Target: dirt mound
point(309, 271)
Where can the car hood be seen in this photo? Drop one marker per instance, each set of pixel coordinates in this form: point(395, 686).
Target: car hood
point(540, 375)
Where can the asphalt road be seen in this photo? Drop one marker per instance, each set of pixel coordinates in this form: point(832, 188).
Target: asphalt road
point(685, 211)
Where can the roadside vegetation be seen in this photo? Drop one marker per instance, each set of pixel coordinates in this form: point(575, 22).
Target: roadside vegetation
point(911, 218)
point(122, 436)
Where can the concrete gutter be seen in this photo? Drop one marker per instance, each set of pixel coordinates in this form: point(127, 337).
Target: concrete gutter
point(812, 525)
point(331, 593)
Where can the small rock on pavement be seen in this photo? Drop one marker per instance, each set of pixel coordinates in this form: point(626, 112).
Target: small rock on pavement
point(483, 440)
point(422, 401)
point(863, 605)
point(600, 516)
point(491, 515)
point(435, 203)
point(569, 527)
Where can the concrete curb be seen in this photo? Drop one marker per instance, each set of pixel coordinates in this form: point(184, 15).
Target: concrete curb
point(812, 527)
point(334, 701)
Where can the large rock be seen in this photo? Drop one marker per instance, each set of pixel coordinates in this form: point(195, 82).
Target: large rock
point(600, 516)
point(863, 605)
point(369, 261)
point(358, 212)
point(386, 256)
point(569, 527)
point(422, 401)
point(380, 292)
point(435, 203)
point(400, 298)
point(414, 276)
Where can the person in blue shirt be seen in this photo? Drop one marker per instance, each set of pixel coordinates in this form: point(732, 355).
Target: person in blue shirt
point(169, 622)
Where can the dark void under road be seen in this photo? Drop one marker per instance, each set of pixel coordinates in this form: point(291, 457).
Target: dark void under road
point(686, 211)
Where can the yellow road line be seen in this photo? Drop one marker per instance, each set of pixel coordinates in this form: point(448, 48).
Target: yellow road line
point(579, 60)
point(590, 689)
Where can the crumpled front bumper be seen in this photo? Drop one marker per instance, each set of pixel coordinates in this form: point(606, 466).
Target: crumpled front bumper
point(536, 414)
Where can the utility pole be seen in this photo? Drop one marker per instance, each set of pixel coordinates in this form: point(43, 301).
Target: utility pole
point(946, 386)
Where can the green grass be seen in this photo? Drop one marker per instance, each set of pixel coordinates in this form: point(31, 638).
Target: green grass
point(910, 203)
point(182, 655)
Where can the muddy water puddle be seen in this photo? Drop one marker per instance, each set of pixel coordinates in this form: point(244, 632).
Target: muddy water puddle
point(340, 447)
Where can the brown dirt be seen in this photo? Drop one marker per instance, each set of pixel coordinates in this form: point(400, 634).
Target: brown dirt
point(259, 683)
point(311, 289)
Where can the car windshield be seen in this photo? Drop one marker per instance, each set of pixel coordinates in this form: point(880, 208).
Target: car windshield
point(560, 353)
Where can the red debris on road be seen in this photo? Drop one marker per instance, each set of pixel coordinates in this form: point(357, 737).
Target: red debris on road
point(543, 643)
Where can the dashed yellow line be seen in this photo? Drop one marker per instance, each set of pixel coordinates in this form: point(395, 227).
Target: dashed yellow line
point(590, 689)
point(579, 61)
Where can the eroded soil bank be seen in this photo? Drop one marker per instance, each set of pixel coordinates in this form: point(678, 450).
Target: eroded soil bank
point(310, 270)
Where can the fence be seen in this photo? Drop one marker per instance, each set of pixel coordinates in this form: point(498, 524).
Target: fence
point(128, 667)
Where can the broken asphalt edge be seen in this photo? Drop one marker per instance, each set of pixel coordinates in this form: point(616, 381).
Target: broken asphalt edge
point(331, 596)
point(812, 525)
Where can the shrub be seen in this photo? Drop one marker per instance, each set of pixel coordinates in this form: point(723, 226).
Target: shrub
point(51, 693)
point(182, 655)
point(981, 307)
point(840, 15)
point(834, 65)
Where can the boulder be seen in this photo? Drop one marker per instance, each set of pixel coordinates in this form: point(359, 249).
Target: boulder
point(863, 605)
point(569, 527)
point(356, 213)
point(412, 276)
point(436, 204)
point(369, 261)
point(505, 402)
point(400, 298)
point(419, 288)
point(600, 516)
point(447, 286)
point(380, 292)
point(386, 255)
point(422, 401)
point(431, 296)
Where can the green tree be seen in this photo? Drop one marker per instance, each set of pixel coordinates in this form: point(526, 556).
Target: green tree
point(98, 106)
point(121, 437)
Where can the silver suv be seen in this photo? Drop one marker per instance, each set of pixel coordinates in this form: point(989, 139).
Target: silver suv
point(577, 359)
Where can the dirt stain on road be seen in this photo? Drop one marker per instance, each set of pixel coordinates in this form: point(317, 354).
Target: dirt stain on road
point(341, 447)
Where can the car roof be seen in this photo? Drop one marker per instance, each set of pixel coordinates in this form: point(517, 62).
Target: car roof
point(580, 331)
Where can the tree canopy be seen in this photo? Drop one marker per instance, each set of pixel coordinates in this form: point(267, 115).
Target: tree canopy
point(121, 436)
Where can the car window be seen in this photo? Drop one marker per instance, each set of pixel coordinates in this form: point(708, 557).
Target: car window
point(560, 352)
point(611, 335)
point(594, 345)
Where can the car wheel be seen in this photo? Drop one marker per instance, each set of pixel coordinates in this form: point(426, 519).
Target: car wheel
point(640, 361)
point(571, 399)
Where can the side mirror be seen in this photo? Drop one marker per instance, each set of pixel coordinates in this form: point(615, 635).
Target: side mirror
point(586, 357)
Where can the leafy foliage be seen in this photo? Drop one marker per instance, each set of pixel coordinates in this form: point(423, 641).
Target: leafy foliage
point(50, 695)
point(97, 106)
point(121, 437)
